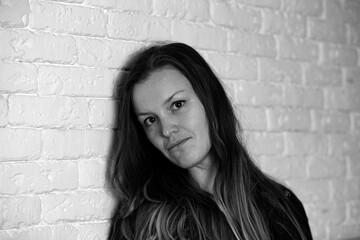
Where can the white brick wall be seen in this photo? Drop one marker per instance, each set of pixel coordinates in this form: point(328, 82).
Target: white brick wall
point(292, 69)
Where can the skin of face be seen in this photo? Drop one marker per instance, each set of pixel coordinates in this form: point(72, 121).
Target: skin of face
point(173, 118)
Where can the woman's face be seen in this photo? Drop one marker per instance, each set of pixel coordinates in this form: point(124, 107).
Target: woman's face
point(173, 118)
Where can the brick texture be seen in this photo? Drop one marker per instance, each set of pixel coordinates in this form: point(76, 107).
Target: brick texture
point(290, 67)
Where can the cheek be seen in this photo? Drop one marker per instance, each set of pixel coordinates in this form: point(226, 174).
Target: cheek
point(153, 138)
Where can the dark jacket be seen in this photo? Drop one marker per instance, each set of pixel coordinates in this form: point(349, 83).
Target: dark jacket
point(280, 227)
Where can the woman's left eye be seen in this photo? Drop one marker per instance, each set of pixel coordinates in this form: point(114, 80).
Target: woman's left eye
point(178, 104)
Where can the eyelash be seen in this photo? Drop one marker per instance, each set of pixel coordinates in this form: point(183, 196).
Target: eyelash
point(173, 107)
point(176, 102)
point(146, 120)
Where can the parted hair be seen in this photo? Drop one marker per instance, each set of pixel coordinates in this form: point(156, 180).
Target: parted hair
point(159, 200)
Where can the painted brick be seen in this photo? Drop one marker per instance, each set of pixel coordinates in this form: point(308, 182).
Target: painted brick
point(185, 32)
point(331, 121)
point(252, 118)
point(30, 233)
point(353, 34)
point(310, 191)
point(344, 144)
point(129, 26)
point(326, 212)
point(260, 94)
point(355, 123)
point(342, 99)
point(236, 16)
point(142, 6)
point(273, 4)
point(48, 111)
point(352, 78)
point(330, 31)
point(104, 53)
point(262, 143)
point(69, 81)
point(344, 231)
point(233, 66)
point(337, 98)
point(339, 55)
point(345, 189)
point(252, 44)
point(19, 178)
point(199, 36)
point(71, 143)
point(3, 111)
point(297, 49)
point(351, 9)
point(107, 4)
point(79, 206)
point(305, 144)
point(92, 173)
point(7, 51)
point(295, 96)
point(276, 167)
point(213, 38)
point(283, 168)
point(354, 208)
point(14, 13)
point(275, 23)
point(317, 75)
point(40, 47)
point(326, 167)
point(318, 230)
point(98, 143)
point(197, 10)
point(102, 113)
point(280, 119)
point(354, 99)
point(19, 212)
point(304, 7)
point(354, 169)
point(63, 143)
point(19, 144)
point(307, 70)
point(63, 18)
point(93, 231)
point(229, 86)
point(347, 12)
point(69, 1)
point(169, 8)
point(273, 70)
point(59, 230)
point(187, 9)
point(18, 77)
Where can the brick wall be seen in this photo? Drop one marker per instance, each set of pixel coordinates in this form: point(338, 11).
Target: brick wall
point(291, 67)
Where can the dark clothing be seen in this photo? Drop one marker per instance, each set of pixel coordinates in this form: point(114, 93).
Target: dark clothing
point(279, 225)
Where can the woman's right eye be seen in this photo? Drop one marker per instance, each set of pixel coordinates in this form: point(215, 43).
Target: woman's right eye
point(149, 121)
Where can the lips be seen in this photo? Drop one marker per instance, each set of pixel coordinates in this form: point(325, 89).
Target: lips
point(176, 143)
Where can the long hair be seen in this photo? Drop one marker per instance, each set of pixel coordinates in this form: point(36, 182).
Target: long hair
point(158, 200)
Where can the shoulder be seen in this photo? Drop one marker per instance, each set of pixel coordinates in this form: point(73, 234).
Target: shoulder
point(279, 214)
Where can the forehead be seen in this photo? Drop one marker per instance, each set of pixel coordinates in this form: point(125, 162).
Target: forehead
point(159, 86)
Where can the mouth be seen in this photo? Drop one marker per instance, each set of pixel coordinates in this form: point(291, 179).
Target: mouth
point(176, 143)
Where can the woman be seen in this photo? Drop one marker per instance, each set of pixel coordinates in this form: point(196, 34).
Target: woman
point(179, 166)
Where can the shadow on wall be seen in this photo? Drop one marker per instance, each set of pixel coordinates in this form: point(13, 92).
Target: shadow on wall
point(113, 168)
point(111, 163)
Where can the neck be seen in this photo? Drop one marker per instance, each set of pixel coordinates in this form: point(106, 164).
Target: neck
point(204, 175)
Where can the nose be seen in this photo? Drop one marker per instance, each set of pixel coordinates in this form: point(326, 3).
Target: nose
point(169, 127)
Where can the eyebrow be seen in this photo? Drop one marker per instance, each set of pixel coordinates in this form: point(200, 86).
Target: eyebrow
point(165, 102)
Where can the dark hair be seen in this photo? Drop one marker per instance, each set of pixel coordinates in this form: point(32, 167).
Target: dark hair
point(158, 200)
